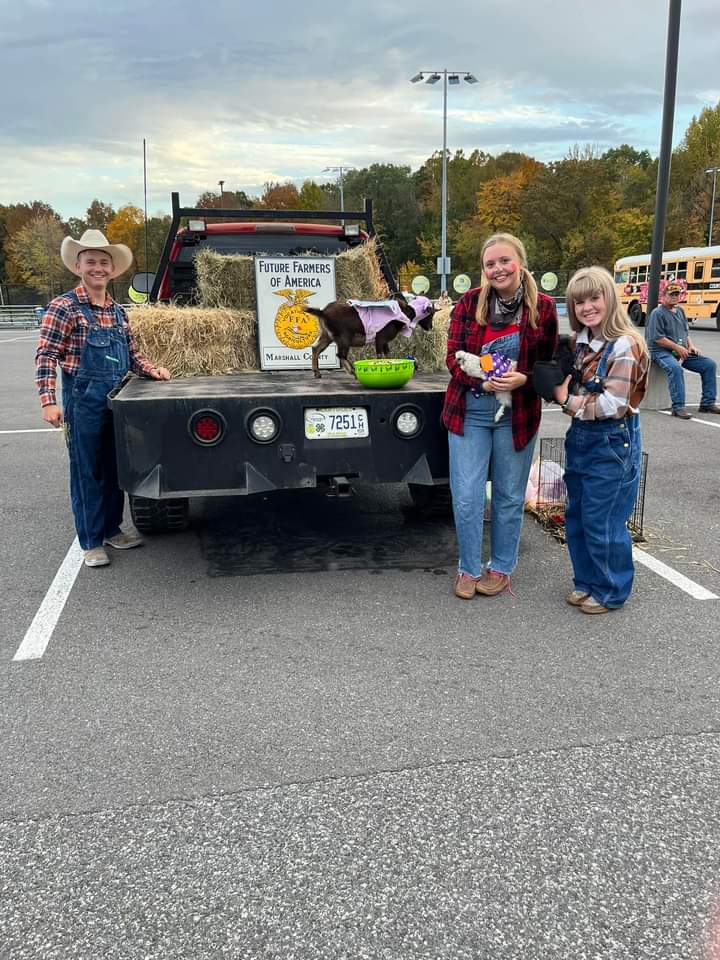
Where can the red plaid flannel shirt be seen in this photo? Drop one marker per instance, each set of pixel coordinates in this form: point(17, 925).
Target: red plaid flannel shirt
point(62, 338)
point(535, 344)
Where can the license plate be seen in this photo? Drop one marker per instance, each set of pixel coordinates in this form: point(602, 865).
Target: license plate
point(335, 423)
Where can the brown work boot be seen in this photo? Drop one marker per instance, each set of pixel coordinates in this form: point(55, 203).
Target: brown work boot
point(464, 586)
point(709, 408)
point(682, 413)
point(96, 557)
point(491, 583)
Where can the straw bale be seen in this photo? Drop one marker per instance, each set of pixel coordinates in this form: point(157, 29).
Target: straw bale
point(358, 275)
point(225, 280)
point(228, 280)
point(196, 341)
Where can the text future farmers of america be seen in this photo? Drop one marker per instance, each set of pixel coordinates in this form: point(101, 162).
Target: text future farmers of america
point(304, 273)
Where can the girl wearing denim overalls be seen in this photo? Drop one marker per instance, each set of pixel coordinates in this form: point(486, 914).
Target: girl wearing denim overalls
point(603, 447)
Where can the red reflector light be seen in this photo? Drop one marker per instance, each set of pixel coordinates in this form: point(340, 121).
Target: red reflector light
point(207, 427)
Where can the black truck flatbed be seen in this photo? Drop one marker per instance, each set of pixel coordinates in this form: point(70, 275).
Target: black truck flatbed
point(392, 436)
point(297, 383)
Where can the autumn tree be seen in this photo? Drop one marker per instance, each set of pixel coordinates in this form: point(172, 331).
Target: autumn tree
point(33, 256)
point(126, 227)
point(407, 271)
point(280, 196)
point(231, 199)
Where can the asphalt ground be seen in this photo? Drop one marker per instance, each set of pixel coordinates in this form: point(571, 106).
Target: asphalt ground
point(278, 734)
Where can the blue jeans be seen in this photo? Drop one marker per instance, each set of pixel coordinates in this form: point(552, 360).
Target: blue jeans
point(487, 444)
point(602, 475)
point(707, 369)
point(97, 500)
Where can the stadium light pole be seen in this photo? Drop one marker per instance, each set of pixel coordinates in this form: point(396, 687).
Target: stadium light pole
point(453, 76)
point(340, 171)
point(221, 184)
point(714, 171)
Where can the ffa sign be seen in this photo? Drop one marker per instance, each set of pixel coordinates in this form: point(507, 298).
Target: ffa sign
point(285, 286)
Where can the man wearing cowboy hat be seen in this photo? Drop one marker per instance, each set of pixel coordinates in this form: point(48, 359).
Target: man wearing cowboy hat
point(668, 336)
point(87, 334)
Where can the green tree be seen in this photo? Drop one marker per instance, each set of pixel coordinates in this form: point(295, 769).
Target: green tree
point(312, 197)
point(99, 215)
point(395, 210)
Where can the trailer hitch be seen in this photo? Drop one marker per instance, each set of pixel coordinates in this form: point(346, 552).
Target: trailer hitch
point(339, 487)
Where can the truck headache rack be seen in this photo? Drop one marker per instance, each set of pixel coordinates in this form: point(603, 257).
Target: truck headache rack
point(217, 213)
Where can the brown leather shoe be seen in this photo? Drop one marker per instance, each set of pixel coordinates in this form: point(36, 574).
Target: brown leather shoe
point(709, 408)
point(491, 583)
point(576, 598)
point(682, 413)
point(464, 586)
point(591, 605)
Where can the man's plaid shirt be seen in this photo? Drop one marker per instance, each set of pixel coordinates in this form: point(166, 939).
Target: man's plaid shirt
point(62, 338)
point(535, 344)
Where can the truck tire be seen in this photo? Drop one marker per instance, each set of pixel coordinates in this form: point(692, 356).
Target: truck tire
point(159, 516)
point(717, 317)
point(636, 314)
point(431, 501)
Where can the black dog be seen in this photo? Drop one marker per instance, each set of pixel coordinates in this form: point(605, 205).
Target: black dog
point(548, 374)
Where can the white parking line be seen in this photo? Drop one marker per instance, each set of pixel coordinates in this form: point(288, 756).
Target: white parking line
point(710, 423)
point(677, 579)
point(45, 620)
point(35, 430)
point(16, 339)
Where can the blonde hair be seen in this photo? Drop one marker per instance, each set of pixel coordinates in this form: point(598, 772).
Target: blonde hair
point(531, 291)
point(589, 280)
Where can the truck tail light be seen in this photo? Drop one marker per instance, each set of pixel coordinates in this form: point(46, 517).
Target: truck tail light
point(263, 425)
point(407, 421)
point(207, 427)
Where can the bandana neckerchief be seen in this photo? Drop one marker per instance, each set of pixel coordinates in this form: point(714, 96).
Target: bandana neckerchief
point(504, 312)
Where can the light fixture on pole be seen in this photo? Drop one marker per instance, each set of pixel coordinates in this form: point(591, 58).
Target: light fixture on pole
point(453, 77)
point(221, 184)
point(340, 171)
point(714, 171)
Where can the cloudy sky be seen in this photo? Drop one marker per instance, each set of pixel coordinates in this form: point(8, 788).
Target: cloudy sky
point(250, 92)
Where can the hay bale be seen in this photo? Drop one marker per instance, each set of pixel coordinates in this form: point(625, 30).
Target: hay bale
point(196, 341)
point(358, 275)
point(225, 280)
point(228, 280)
point(221, 335)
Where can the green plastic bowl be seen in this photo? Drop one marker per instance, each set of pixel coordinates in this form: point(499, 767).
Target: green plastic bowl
point(384, 374)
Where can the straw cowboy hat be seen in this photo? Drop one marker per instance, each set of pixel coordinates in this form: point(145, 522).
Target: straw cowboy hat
point(70, 249)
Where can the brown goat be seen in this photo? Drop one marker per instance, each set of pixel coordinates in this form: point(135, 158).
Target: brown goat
point(341, 324)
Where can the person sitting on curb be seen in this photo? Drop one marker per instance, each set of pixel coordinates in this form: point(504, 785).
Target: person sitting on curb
point(671, 348)
point(87, 334)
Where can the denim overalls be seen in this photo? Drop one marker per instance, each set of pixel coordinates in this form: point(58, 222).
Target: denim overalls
point(602, 475)
point(97, 500)
point(488, 440)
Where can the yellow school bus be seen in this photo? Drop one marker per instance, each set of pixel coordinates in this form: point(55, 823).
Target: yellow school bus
point(696, 269)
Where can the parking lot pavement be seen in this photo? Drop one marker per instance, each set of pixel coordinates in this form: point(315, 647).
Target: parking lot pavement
point(334, 757)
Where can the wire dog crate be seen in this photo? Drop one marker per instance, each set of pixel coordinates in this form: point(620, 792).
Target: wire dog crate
point(552, 494)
